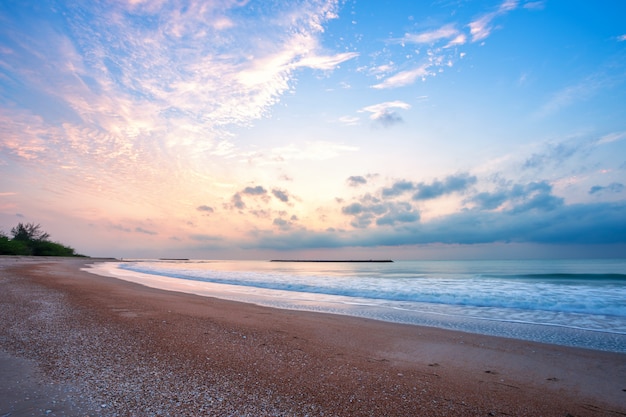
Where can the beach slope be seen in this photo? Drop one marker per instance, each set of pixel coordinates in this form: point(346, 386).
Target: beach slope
point(74, 343)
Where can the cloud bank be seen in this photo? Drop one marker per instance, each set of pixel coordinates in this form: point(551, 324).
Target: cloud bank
point(148, 85)
point(159, 121)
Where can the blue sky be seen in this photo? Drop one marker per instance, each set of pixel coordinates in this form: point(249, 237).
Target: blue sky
point(243, 129)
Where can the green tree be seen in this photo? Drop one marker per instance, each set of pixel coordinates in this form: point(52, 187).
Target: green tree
point(47, 248)
point(30, 239)
point(12, 247)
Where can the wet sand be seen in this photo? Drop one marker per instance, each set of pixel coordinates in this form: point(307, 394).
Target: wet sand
point(74, 343)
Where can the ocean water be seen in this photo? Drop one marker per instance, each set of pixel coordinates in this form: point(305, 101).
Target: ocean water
point(568, 302)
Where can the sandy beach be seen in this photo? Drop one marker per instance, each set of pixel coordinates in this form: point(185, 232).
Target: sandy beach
point(78, 344)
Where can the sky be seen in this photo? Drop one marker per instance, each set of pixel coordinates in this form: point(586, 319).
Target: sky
point(236, 129)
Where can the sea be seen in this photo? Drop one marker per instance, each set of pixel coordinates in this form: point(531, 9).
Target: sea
point(580, 303)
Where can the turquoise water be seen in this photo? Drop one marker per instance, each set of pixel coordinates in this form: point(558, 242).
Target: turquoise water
point(570, 302)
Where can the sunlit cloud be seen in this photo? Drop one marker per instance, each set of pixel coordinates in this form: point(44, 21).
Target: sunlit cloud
point(612, 137)
point(234, 124)
point(178, 96)
point(136, 101)
point(442, 53)
point(535, 5)
point(349, 120)
point(379, 72)
point(326, 63)
point(459, 39)
point(446, 32)
point(405, 78)
point(482, 27)
point(384, 114)
point(23, 135)
point(312, 150)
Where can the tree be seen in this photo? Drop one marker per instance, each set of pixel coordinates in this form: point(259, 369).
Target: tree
point(29, 239)
point(29, 232)
point(12, 247)
point(47, 248)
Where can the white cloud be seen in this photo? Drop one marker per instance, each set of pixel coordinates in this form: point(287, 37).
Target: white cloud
point(445, 32)
point(349, 120)
point(405, 77)
point(440, 53)
point(150, 108)
point(535, 5)
point(224, 148)
point(195, 67)
point(621, 38)
point(482, 27)
point(508, 5)
point(326, 63)
point(178, 82)
point(24, 135)
point(384, 113)
point(379, 110)
point(380, 71)
point(315, 150)
point(460, 39)
point(612, 137)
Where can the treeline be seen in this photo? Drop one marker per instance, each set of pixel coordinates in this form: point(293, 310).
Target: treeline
point(29, 240)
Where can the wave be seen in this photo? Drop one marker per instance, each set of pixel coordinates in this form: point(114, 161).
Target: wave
point(589, 329)
point(562, 277)
point(467, 293)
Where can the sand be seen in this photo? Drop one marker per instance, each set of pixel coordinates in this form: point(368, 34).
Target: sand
point(78, 344)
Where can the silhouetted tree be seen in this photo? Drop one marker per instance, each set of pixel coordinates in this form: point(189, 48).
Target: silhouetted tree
point(29, 239)
point(29, 232)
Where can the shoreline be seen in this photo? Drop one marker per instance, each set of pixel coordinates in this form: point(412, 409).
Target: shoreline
point(127, 349)
point(455, 320)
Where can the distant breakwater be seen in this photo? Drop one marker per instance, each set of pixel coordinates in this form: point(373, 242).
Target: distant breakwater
point(334, 260)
